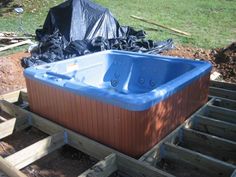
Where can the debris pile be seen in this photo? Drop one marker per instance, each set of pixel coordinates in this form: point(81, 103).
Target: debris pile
point(224, 60)
point(79, 27)
point(7, 38)
point(10, 40)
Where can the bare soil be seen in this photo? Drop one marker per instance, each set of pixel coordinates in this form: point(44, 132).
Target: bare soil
point(222, 59)
point(20, 140)
point(64, 162)
point(11, 73)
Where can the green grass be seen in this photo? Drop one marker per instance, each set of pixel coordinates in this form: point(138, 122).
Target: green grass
point(212, 23)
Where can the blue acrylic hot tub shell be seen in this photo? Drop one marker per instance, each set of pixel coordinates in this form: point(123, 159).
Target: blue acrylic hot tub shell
point(132, 81)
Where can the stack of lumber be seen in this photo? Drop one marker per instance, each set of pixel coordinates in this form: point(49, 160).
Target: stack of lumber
point(10, 40)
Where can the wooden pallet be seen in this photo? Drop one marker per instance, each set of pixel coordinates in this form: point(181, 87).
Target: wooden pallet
point(212, 127)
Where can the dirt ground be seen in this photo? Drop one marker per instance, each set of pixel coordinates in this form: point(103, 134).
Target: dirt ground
point(223, 60)
point(20, 140)
point(64, 162)
point(11, 73)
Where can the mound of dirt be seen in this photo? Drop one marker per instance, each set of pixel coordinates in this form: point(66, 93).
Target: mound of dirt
point(223, 59)
point(11, 73)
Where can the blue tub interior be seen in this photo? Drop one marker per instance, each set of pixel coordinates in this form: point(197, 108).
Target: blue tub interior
point(119, 73)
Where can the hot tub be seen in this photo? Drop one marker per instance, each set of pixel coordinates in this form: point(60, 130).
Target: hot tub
point(128, 101)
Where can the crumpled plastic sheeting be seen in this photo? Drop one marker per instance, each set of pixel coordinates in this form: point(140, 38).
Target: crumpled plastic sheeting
point(79, 27)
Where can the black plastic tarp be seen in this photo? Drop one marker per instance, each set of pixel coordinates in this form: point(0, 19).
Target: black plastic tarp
point(78, 27)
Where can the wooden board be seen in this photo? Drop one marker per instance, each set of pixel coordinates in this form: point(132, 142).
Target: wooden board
point(223, 85)
point(35, 151)
point(224, 149)
point(220, 92)
point(198, 160)
point(215, 127)
point(9, 170)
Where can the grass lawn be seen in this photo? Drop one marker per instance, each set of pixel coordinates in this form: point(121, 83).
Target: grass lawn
point(212, 23)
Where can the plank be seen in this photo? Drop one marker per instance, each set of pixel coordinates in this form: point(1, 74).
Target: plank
point(203, 142)
point(203, 162)
point(9, 170)
point(3, 119)
point(123, 164)
point(15, 37)
point(11, 97)
point(220, 113)
point(22, 120)
point(233, 174)
point(89, 146)
point(225, 103)
point(136, 168)
point(220, 92)
point(7, 128)
point(224, 85)
point(15, 45)
point(159, 25)
point(16, 96)
point(23, 96)
point(215, 127)
point(35, 151)
point(103, 168)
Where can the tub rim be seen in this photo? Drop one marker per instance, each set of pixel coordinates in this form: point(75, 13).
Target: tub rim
point(133, 101)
